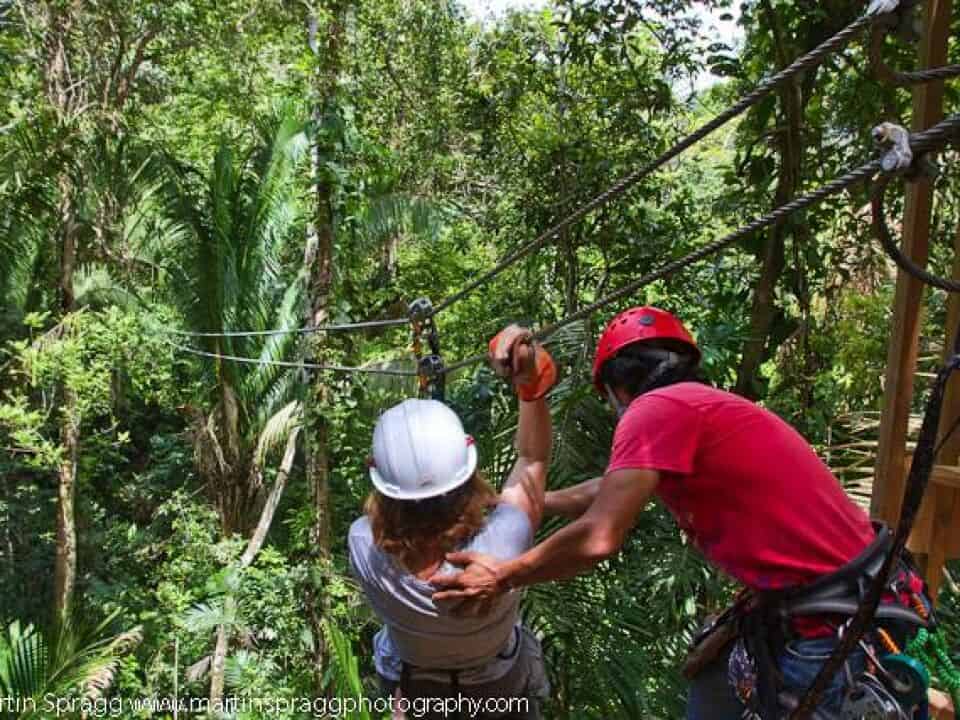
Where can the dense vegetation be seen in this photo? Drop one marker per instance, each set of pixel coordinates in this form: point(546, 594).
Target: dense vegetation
point(172, 522)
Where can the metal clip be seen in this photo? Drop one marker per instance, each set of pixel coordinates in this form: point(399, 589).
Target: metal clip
point(431, 367)
point(420, 310)
point(882, 7)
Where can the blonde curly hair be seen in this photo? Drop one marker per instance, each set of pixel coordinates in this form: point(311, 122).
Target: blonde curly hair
point(407, 528)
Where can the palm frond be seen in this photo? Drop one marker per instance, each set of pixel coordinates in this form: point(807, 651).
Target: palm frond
point(344, 674)
point(276, 430)
point(94, 286)
point(71, 655)
point(206, 617)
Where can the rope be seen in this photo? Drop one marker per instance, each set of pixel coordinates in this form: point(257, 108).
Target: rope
point(335, 327)
point(920, 470)
point(920, 143)
point(292, 364)
point(803, 64)
point(904, 78)
point(882, 232)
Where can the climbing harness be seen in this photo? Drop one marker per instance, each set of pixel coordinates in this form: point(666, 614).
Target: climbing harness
point(873, 694)
point(430, 370)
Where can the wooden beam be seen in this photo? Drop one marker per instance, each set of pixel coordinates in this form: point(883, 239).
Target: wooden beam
point(902, 352)
point(945, 507)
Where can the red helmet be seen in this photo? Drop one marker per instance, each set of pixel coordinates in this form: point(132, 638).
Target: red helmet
point(636, 325)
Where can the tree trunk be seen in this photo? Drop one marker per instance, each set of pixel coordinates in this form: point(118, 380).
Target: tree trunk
point(65, 565)
point(771, 256)
point(218, 663)
point(319, 259)
point(254, 544)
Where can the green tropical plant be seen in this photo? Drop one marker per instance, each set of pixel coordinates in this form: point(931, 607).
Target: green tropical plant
point(234, 232)
point(73, 660)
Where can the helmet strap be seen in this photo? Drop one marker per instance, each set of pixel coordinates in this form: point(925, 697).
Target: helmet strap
point(618, 406)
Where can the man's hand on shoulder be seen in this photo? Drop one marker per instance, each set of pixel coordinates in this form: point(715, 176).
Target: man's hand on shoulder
point(476, 588)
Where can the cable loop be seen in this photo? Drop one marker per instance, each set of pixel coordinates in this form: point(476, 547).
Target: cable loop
point(882, 232)
point(899, 20)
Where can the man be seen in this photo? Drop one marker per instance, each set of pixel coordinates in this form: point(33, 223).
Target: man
point(745, 486)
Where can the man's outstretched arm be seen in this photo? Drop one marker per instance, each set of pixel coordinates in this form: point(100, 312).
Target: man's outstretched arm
point(572, 502)
point(574, 549)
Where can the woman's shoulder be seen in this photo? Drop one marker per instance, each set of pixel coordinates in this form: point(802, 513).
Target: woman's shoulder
point(360, 530)
point(360, 538)
point(506, 533)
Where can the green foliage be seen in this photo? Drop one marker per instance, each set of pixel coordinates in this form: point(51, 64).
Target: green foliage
point(179, 158)
point(73, 665)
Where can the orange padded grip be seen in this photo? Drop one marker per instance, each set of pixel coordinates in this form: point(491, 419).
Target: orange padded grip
point(545, 375)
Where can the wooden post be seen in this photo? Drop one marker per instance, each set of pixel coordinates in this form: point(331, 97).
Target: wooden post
point(945, 506)
point(902, 353)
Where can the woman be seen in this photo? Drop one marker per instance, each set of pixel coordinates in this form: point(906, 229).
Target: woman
point(428, 500)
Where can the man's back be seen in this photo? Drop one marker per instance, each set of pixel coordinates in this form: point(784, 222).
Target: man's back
point(747, 488)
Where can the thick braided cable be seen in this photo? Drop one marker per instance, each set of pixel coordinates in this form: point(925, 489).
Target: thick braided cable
point(765, 88)
point(926, 141)
point(903, 78)
point(916, 485)
point(919, 77)
point(882, 231)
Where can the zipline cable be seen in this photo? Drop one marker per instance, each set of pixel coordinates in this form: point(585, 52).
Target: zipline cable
point(899, 77)
point(291, 363)
point(920, 143)
point(332, 327)
point(804, 63)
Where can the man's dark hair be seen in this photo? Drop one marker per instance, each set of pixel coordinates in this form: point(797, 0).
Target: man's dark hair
point(644, 366)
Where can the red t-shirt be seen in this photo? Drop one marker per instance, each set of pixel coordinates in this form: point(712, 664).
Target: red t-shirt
point(745, 486)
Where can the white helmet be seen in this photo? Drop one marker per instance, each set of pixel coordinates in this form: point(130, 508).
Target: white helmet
point(420, 451)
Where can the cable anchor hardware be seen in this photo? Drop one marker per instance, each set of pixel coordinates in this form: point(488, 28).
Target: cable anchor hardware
point(899, 157)
point(430, 368)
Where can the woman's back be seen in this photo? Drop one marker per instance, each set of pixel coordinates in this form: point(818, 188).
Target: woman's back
point(418, 631)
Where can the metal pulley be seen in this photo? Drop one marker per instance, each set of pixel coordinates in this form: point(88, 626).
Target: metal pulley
point(430, 368)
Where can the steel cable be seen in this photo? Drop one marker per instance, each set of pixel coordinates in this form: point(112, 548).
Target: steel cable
point(292, 363)
point(332, 327)
point(920, 143)
point(900, 77)
point(882, 232)
point(802, 64)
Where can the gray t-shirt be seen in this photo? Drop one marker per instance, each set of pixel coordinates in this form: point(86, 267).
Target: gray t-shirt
point(428, 636)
